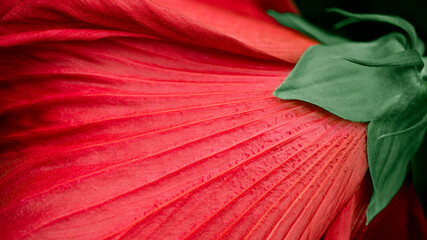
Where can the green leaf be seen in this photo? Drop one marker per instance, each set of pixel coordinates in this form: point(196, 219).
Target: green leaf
point(382, 82)
point(352, 91)
point(407, 58)
point(393, 140)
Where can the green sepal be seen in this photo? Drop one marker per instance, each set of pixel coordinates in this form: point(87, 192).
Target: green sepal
point(325, 77)
point(392, 142)
point(381, 82)
point(407, 58)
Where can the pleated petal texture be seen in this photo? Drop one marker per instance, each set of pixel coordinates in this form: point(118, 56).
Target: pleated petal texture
point(188, 21)
point(402, 219)
point(145, 137)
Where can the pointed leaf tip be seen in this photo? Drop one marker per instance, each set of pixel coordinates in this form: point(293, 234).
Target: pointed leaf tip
point(407, 58)
point(389, 19)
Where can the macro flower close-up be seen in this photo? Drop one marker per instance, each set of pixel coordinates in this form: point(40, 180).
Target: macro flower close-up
point(202, 119)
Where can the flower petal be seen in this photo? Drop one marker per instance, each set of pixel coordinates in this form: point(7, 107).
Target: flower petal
point(126, 137)
point(254, 8)
point(115, 129)
point(187, 21)
point(402, 219)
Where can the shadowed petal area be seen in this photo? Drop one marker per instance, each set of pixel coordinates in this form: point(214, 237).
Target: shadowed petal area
point(188, 21)
point(402, 219)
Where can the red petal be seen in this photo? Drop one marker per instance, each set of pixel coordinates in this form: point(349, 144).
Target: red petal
point(187, 21)
point(141, 137)
point(340, 229)
point(137, 137)
point(254, 8)
point(5, 6)
point(402, 219)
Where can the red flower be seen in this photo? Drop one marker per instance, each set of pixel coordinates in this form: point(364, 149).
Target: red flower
point(155, 119)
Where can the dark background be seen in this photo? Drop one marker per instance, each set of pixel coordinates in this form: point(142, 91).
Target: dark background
point(414, 11)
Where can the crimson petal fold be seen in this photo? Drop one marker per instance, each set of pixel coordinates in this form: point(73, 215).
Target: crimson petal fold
point(160, 134)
